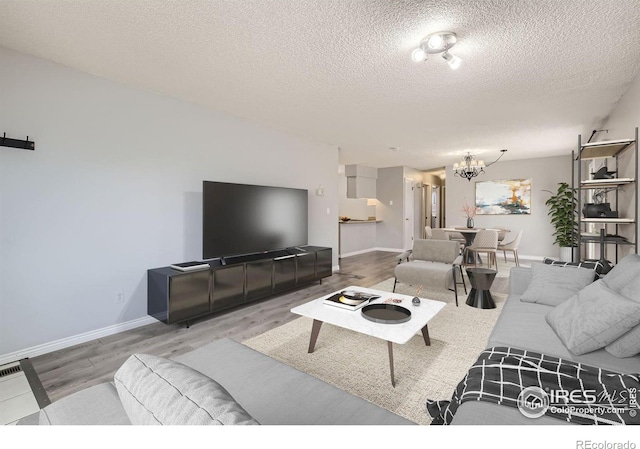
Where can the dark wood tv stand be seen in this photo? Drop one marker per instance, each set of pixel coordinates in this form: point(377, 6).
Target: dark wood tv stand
point(175, 296)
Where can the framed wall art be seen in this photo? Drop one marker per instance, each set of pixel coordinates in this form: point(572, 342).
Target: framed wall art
point(503, 197)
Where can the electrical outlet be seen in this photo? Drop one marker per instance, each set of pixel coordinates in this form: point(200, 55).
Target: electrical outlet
point(119, 297)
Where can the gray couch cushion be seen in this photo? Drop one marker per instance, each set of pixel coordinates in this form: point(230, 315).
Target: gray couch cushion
point(626, 346)
point(593, 318)
point(487, 413)
point(154, 390)
point(95, 405)
point(523, 325)
point(274, 393)
point(552, 285)
point(421, 272)
point(624, 278)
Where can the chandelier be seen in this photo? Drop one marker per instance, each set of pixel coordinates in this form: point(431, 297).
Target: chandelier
point(469, 167)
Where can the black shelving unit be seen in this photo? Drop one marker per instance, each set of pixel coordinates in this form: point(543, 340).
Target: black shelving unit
point(608, 235)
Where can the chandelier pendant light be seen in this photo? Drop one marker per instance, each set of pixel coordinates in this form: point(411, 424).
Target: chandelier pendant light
point(435, 43)
point(470, 167)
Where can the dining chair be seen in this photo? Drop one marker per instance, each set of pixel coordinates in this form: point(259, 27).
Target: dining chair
point(439, 234)
point(502, 233)
point(457, 236)
point(427, 232)
point(486, 241)
point(512, 246)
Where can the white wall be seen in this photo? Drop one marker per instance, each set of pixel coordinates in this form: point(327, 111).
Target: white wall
point(114, 188)
point(621, 124)
point(545, 174)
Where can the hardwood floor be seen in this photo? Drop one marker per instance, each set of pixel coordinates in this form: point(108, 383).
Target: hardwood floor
point(72, 369)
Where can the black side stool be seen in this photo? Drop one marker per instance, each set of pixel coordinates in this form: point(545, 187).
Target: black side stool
point(481, 280)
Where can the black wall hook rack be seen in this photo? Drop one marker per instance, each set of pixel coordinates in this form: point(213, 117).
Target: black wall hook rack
point(17, 143)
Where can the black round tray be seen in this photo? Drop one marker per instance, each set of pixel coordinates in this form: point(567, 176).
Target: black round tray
point(386, 313)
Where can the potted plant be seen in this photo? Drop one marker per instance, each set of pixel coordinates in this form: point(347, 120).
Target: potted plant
point(563, 206)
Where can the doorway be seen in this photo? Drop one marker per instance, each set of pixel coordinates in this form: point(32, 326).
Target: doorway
point(435, 207)
point(426, 208)
point(409, 213)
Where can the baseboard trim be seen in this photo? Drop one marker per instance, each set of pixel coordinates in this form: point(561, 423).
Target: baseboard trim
point(389, 250)
point(368, 250)
point(355, 253)
point(63, 343)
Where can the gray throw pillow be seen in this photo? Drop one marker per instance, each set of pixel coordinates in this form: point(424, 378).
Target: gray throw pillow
point(154, 390)
point(552, 285)
point(624, 278)
point(626, 346)
point(593, 318)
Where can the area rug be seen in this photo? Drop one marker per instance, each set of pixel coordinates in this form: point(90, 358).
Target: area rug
point(359, 364)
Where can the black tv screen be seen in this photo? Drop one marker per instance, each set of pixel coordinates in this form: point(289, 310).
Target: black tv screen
point(244, 219)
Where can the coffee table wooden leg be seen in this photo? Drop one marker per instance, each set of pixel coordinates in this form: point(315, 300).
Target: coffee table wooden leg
point(425, 335)
point(390, 346)
point(315, 330)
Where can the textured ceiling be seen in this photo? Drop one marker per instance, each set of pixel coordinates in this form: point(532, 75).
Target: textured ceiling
point(534, 73)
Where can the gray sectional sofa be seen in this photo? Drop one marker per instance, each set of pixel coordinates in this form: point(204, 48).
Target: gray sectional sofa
point(524, 325)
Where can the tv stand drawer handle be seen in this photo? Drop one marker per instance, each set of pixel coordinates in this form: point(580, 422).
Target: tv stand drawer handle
point(284, 257)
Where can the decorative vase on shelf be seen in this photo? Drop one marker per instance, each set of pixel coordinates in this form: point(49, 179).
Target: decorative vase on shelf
point(469, 222)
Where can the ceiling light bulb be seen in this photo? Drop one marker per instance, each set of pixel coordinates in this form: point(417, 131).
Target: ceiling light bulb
point(435, 42)
point(455, 166)
point(481, 164)
point(453, 61)
point(418, 55)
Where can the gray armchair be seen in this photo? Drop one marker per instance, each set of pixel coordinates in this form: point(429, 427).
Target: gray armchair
point(429, 262)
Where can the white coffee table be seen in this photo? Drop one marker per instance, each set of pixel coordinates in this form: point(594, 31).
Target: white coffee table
point(352, 319)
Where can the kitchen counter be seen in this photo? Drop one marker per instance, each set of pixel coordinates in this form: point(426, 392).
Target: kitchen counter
point(354, 239)
point(352, 221)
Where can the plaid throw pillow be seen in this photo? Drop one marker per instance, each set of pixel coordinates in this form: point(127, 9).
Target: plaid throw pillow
point(591, 264)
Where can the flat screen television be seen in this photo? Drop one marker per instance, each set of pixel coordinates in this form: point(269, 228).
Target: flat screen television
point(244, 219)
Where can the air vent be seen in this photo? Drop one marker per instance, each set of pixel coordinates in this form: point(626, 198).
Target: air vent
point(10, 370)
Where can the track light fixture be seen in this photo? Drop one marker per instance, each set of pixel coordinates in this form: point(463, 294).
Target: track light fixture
point(453, 61)
point(435, 43)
